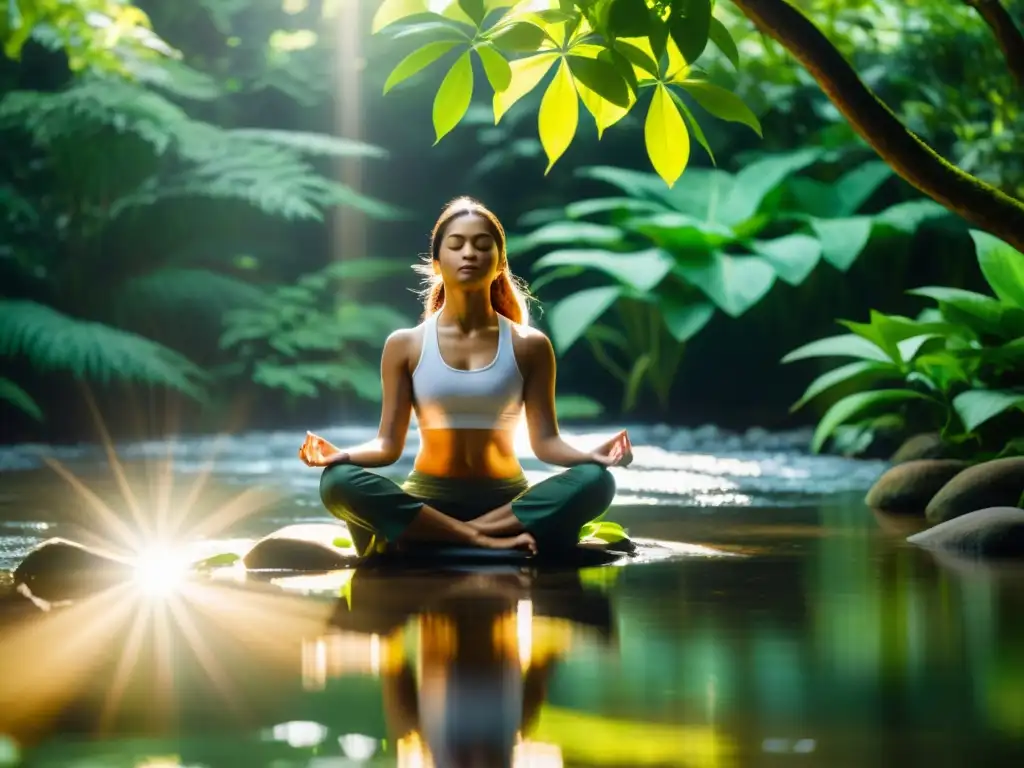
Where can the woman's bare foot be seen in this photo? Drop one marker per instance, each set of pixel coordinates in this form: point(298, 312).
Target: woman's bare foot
point(520, 541)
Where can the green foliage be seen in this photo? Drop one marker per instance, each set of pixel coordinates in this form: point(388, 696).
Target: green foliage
point(935, 64)
point(12, 394)
point(954, 369)
point(603, 53)
point(53, 341)
point(317, 335)
point(190, 158)
point(668, 260)
point(105, 35)
point(106, 155)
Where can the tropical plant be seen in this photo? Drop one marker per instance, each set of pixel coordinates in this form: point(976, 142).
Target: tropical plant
point(104, 165)
point(668, 260)
point(955, 369)
point(606, 76)
point(607, 50)
point(303, 338)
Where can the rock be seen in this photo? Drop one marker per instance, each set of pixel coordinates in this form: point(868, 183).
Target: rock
point(61, 569)
point(997, 483)
point(991, 532)
point(908, 487)
point(303, 547)
point(927, 445)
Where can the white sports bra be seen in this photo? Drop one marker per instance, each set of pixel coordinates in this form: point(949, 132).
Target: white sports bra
point(482, 398)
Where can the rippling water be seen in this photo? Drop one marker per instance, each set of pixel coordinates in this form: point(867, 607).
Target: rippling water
point(822, 639)
point(762, 470)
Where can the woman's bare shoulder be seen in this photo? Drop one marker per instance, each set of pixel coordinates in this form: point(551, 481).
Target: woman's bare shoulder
point(404, 344)
point(530, 343)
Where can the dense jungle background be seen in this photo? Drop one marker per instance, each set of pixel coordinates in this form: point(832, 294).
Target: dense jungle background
point(227, 236)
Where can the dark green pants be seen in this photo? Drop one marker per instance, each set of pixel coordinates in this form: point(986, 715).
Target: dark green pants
point(554, 510)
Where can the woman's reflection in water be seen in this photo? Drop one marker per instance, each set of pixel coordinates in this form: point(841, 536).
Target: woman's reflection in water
point(484, 654)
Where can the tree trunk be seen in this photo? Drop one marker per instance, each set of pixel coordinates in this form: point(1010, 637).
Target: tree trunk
point(1007, 34)
point(982, 205)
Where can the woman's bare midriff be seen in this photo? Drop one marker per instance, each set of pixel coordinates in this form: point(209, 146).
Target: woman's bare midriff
point(467, 453)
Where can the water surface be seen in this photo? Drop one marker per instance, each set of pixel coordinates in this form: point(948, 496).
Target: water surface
point(807, 631)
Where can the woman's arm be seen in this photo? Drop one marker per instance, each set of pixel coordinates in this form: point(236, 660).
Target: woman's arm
point(395, 408)
point(539, 392)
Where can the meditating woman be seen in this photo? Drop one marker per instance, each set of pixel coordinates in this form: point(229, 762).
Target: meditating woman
point(469, 369)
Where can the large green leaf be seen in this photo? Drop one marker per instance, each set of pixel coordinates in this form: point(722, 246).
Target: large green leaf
point(573, 315)
point(843, 345)
point(757, 179)
point(617, 206)
point(666, 137)
point(417, 61)
point(453, 97)
point(559, 115)
point(793, 257)
point(719, 35)
point(733, 283)
point(690, 26)
point(887, 331)
point(680, 232)
point(975, 311)
point(723, 104)
point(639, 270)
point(842, 240)
point(20, 399)
point(1003, 267)
point(853, 188)
point(579, 233)
point(684, 313)
point(977, 406)
point(577, 407)
point(856, 404)
point(861, 371)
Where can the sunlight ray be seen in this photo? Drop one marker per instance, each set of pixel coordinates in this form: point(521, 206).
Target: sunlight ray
point(233, 511)
point(35, 686)
point(126, 665)
point(116, 525)
point(115, 463)
point(205, 656)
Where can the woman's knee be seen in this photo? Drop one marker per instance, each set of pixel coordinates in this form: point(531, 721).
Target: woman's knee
point(336, 483)
point(596, 485)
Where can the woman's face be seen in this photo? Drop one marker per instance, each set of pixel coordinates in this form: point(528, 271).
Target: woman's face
point(468, 256)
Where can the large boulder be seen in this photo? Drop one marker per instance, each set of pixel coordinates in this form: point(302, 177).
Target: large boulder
point(997, 483)
point(908, 487)
point(993, 532)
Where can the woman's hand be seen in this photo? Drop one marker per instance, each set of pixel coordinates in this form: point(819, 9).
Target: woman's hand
point(317, 452)
point(617, 452)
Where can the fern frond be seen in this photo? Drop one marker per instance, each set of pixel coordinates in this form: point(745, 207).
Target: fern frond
point(185, 290)
point(20, 399)
point(54, 341)
point(176, 78)
point(310, 143)
point(275, 181)
point(91, 106)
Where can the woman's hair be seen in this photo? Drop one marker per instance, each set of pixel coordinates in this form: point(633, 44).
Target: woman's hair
point(509, 295)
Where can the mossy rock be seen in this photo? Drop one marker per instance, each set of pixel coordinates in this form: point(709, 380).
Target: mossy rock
point(927, 445)
point(996, 532)
point(997, 483)
point(62, 569)
point(908, 487)
point(303, 547)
